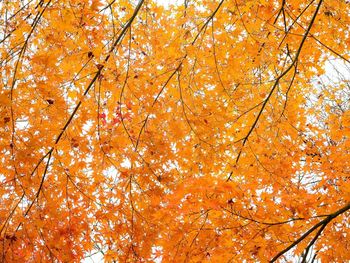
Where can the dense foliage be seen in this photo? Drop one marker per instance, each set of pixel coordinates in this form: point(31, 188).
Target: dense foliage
point(206, 131)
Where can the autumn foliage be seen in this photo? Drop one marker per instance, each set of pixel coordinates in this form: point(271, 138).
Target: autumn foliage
point(205, 131)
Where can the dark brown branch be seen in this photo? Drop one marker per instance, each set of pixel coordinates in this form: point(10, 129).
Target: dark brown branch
point(295, 21)
point(322, 223)
point(306, 252)
point(97, 74)
point(177, 69)
point(276, 83)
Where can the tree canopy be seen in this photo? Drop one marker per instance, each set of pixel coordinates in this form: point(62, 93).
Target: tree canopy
point(204, 131)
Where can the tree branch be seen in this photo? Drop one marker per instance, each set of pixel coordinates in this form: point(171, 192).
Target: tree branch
point(322, 223)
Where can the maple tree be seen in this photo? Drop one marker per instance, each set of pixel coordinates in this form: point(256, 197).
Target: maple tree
point(206, 131)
